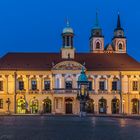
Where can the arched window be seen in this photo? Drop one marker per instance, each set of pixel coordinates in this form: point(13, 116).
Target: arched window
point(120, 46)
point(21, 106)
point(98, 46)
point(115, 106)
point(103, 106)
point(47, 105)
point(34, 106)
point(135, 106)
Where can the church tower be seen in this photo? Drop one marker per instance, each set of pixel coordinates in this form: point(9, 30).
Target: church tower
point(96, 39)
point(119, 39)
point(67, 50)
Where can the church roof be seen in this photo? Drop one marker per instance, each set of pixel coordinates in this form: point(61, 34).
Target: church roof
point(92, 61)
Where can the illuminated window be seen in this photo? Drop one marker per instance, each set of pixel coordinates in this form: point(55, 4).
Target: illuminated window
point(135, 85)
point(34, 85)
point(21, 85)
point(1, 85)
point(1, 103)
point(21, 106)
point(46, 85)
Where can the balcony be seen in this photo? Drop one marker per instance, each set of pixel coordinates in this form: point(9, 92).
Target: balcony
point(115, 92)
point(33, 91)
point(23, 91)
point(102, 91)
point(92, 92)
point(47, 91)
point(67, 91)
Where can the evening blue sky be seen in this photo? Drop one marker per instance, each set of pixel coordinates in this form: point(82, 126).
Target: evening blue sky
point(36, 25)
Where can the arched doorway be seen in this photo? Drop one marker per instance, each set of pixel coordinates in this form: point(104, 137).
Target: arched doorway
point(115, 106)
point(34, 106)
point(102, 106)
point(68, 106)
point(47, 106)
point(21, 106)
point(135, 106)
point(90, 106)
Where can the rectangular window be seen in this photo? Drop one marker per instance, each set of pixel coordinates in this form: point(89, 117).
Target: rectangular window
point(114, 85)
point(102, 85)
point(68, 84)
point(1, 85)
point(34, 85)
point(21, 85)
point(135, 85)
point(1, 103)
point(90, 85)
point(46, 85)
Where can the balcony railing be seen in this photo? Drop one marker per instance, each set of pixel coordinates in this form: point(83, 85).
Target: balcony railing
point(115, 91)
point(63, 90)
point(23, 91)
point(102, 91)
point(67, 91)
point(33, 91)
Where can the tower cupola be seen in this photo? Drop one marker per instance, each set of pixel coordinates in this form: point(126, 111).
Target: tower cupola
point(67, 50)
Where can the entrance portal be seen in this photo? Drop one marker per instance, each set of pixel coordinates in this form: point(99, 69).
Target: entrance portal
point(90, 106)
point(135, 106)
point(47, 105)
point(21, 106)
point(68, 103)
point(115, 106)
point(102, 106)
point(34, 106)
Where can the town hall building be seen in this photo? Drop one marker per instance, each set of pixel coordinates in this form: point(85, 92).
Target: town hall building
point(47, 83)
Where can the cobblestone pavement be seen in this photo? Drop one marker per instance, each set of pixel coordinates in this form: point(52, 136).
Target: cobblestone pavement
point(68, 128)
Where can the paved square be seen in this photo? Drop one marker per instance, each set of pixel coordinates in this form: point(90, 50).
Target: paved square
point(68, 128)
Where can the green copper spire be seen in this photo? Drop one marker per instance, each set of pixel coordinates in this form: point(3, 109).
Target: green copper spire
point(97, 20)
point(68, 23)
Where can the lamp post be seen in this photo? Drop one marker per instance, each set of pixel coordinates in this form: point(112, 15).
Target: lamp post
point(83, 95)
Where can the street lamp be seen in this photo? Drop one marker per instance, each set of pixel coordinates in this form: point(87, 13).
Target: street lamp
point(83, 95)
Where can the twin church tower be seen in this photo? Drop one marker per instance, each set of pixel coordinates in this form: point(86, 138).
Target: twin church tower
point(118, 44)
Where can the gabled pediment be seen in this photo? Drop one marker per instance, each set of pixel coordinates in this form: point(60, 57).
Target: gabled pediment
point(68, 65)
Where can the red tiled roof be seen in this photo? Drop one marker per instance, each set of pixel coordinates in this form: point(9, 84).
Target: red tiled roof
point(93, 61)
